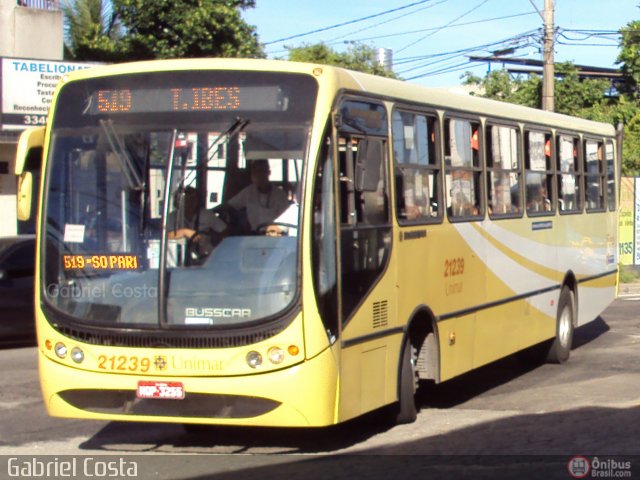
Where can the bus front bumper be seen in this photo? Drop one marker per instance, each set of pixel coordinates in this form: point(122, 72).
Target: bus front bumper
point(299, 396)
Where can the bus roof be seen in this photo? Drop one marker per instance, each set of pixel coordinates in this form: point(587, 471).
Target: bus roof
point(343, 79)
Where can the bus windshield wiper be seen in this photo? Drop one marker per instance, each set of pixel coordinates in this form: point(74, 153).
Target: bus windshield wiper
point(162, 267)
point(235, 128)
point(128, 167)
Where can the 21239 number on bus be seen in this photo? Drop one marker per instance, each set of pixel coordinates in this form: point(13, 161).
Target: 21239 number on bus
point(124, 363)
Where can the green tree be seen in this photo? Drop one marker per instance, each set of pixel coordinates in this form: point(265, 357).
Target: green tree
point(581, 98)
point(499, 85)
point(572, 95)
point(629, 106)
point(149, 29)
point(359, 57)
point(186, 28)
point(91, 30)
point(631, 147)
point(629, 56)
point(577, 97)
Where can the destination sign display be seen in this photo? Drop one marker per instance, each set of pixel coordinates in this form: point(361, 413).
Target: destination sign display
point(210, 98)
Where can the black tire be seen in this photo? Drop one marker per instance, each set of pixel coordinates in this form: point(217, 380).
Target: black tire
point(406, 408)
point(565, 323)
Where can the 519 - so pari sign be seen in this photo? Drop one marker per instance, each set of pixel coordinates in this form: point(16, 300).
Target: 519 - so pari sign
point(27, 89)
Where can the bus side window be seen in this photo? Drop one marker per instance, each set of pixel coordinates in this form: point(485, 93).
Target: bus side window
point(369, 178)
point(503, 165)
point(595, 175)
point(539, 173)
point(362, 182)
point(463, 169)
point(416, 167)
point(569, 174)
point(611, 175)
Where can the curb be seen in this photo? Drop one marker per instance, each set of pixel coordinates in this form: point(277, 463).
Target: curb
point(628, 290)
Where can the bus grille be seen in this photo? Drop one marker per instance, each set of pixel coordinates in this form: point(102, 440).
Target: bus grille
point(155, 340)
point(201, 405)
point(380, 314)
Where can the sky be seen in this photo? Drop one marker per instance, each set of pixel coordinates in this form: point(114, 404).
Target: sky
point(431, 39)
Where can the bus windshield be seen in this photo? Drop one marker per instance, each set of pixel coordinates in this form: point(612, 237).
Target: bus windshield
point(173, 199)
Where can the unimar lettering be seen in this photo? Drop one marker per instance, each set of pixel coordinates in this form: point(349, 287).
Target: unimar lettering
point(222, 312)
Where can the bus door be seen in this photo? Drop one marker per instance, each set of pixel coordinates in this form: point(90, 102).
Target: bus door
point(367, 283)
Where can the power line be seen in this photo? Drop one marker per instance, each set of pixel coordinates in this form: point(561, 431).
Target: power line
point(593, 32)
point(331, 41)
point(398, 60)
point(444, 26)
point(522, 40)
point(455, 68)
point(350, 22)
point(517, 41)
point(586, 35)
point(399, 34)
point(581, 44)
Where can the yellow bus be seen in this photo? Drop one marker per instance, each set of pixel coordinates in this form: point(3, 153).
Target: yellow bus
point(254, 242)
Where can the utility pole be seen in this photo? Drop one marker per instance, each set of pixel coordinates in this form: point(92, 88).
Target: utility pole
point(548, 71)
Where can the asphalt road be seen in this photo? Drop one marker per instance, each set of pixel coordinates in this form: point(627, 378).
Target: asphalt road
point(506, 420)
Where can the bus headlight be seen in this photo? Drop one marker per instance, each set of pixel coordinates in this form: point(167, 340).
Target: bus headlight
point(276, 355)
point(61, 350)
point(77, 355)
point(254, 359)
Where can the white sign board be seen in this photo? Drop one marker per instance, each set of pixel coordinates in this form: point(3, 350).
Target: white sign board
point(27, 89)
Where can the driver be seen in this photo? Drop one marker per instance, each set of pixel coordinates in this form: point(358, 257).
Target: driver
point(262, 200)
point(193, 220)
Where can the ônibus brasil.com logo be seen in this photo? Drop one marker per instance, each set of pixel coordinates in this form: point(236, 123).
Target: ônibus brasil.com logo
point(581, 467)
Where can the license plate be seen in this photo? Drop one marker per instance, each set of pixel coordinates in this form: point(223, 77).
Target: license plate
point(167, 390)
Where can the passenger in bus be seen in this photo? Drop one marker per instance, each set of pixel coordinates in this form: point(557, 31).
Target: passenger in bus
point(537, 199)
point(262, 201)
point(416, 196)
point(504, 199)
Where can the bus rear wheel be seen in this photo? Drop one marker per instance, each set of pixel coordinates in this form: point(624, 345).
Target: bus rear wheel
point(561, 347)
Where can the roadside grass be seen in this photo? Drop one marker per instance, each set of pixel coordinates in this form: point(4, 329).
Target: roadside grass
point(629, 273)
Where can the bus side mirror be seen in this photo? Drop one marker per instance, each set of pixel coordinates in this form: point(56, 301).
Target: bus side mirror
point(25, 195)
point(28, 163)
point(368, 162)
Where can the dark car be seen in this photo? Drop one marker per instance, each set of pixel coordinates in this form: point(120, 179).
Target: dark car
point(17, 265)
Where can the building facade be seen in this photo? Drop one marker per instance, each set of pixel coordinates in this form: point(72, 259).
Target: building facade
point(31, 37)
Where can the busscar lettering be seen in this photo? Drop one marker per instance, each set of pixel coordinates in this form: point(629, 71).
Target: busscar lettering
point(221, 312)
